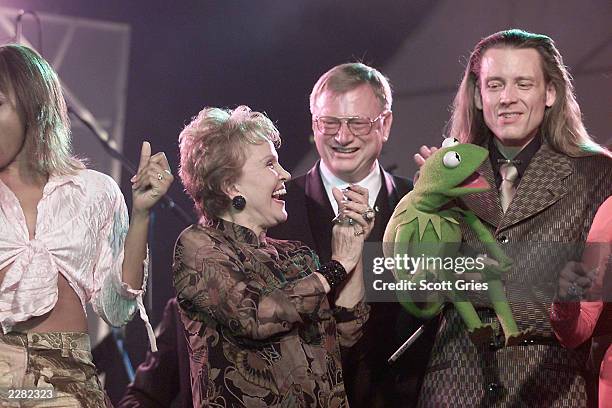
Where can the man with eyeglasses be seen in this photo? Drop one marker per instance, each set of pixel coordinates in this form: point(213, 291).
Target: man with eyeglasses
point(351, 121)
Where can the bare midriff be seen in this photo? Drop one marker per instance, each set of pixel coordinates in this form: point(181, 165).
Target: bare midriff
point(66, 316)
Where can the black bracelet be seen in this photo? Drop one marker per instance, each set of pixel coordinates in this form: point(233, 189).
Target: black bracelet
point(334, 272)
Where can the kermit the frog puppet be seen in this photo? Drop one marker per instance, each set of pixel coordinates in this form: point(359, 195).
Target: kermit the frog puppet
point(425, 223)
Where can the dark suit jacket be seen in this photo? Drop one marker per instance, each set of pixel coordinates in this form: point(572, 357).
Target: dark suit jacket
point(310, 212)
point(544, 227)
point(369, 380)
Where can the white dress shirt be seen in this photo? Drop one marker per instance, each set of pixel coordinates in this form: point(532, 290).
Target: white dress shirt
point(372, 182)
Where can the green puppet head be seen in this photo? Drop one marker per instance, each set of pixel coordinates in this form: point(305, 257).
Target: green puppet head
point(451, 172)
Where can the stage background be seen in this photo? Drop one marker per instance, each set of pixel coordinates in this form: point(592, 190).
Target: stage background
point(144, 68)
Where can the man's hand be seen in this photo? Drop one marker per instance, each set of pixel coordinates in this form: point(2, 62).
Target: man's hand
point(423, 154)
point(353, 203)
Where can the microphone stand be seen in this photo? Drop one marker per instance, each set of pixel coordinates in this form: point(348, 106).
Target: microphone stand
point(87, 119)
point(119, 337)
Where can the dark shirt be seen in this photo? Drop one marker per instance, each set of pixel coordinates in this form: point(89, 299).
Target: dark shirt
point(521, 161)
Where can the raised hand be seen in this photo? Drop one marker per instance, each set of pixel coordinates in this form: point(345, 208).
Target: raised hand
point(353, 205)
point(152, 180)
point(350, 227)
point(423, 154)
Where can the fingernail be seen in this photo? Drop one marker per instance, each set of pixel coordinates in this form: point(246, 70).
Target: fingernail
point(133, 178)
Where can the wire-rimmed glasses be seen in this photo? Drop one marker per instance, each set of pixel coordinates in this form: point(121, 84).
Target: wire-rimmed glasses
point(357, 125)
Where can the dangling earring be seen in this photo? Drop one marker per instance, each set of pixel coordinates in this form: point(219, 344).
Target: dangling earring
point(239, 202)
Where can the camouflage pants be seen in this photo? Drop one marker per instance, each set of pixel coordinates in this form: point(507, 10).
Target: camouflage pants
point(42, 361)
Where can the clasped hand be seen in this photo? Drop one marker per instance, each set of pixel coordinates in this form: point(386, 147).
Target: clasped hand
point(352, 226)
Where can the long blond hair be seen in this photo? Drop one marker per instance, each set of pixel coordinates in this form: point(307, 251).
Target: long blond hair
point(41, 105)
point(562, 126)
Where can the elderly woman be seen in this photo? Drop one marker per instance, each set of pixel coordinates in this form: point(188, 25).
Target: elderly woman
point(261, 331)
point(64, 241)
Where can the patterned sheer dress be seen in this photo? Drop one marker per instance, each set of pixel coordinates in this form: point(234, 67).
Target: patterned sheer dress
point(259, 327)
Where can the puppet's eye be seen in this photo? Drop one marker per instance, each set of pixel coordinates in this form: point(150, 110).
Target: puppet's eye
point(451, 159)
point(450, 141)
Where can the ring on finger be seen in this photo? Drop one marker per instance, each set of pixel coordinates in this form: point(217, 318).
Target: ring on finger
point(574, 291)
point(369, 214)
point(351, 221)
point(360, 232)
point(160, 176)
point(338, 219)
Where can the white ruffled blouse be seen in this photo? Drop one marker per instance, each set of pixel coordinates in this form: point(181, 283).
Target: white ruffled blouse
point(81, 227)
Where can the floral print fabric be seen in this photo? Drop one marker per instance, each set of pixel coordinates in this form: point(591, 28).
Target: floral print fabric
point(260, 329)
